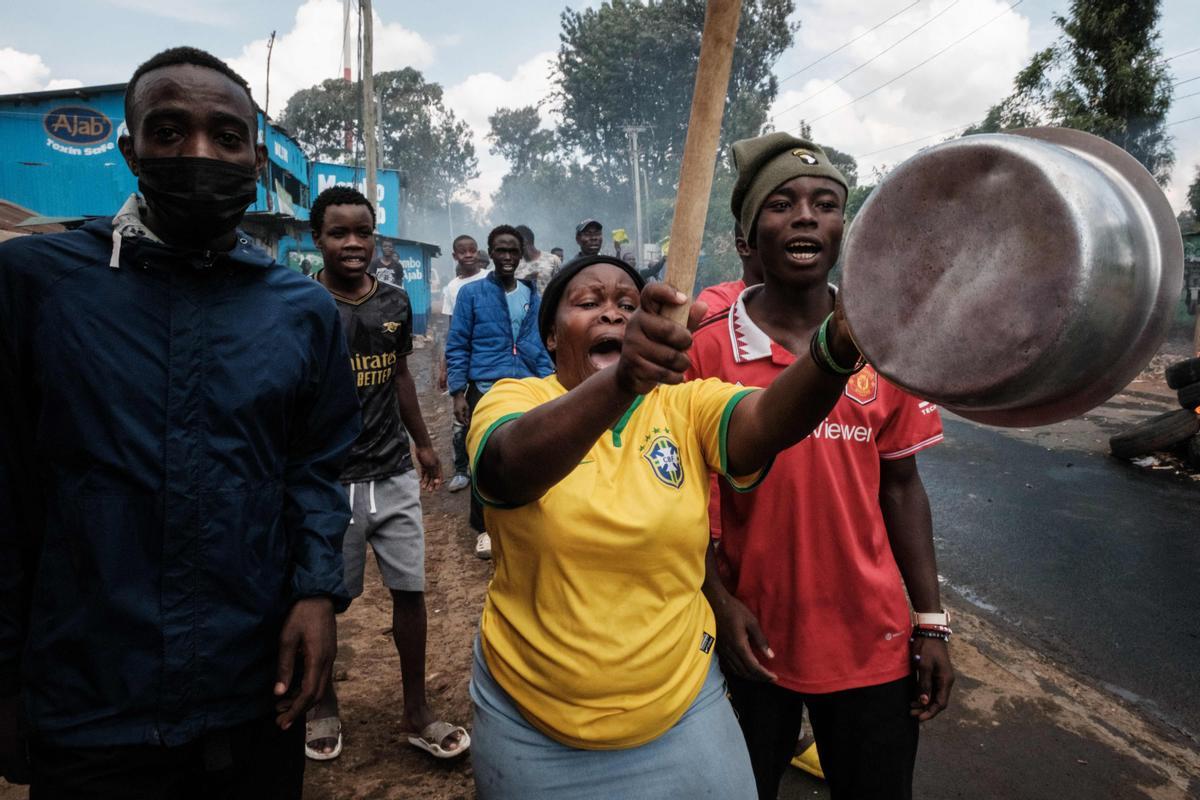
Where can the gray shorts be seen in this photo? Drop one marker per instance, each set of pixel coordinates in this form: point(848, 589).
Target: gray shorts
point(386, 513)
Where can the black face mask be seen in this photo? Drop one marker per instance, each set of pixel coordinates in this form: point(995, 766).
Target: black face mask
point(196, 200)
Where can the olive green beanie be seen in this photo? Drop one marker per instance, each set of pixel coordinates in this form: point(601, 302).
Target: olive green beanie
point(765, 163)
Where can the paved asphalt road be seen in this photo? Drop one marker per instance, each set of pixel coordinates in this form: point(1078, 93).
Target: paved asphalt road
point(1079, 556)
point(1091, 558)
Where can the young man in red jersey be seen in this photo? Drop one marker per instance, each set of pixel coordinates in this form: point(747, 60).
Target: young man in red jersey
point(809, 580)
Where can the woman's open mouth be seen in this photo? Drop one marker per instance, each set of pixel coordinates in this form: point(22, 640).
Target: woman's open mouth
point(605, 352)
point(354, 261)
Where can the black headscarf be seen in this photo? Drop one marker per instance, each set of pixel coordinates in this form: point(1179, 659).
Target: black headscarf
point(558, 285)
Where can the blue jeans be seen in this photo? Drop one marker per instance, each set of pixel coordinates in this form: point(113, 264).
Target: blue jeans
point(702, 756)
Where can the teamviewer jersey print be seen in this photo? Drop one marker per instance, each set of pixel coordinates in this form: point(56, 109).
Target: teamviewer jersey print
point(378, 330)
point(808, 551)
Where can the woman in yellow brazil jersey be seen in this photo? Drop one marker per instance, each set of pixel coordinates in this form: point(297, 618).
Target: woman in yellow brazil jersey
point(594, 673)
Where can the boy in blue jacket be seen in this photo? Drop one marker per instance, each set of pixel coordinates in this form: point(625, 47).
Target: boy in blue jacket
point(493, 335)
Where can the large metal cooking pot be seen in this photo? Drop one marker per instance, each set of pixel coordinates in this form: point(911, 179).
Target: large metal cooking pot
point(1016, 279)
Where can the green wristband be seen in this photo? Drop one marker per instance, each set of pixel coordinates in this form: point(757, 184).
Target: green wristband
point(827, 357)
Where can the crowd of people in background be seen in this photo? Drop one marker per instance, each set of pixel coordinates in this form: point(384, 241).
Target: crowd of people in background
point(685, 521)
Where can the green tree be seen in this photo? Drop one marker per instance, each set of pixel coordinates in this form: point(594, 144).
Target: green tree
point(632, 61)
point(418, 135)
point(845, 163)
point(516, 135)
point(1105, 75)
point(320, 116)
point(858, 196)
point(545, 187)
point(1193, 195)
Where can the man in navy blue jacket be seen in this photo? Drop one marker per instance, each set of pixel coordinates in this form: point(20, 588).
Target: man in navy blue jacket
point(176, 408)
point(493, 335)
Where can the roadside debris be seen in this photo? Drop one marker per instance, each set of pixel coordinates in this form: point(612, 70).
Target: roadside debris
point(1168, 441)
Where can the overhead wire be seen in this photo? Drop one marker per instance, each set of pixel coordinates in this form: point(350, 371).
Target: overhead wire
point(878, 55)
point(911, 69)
point(914, 141)
point(966, 125)
point(839, 49)
point(1184, 53)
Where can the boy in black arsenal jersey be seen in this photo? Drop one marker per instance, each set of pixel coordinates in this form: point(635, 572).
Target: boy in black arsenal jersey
point(384, 491)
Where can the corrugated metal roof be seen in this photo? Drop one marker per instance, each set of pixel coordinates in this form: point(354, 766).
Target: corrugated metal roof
point(12, 215)
point(78, 91)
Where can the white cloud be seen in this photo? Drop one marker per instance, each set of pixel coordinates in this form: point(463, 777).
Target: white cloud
point(478, 96)
point(953, 89)
point(26, 72)
point(312, 52)
point(64, 83)
point(933, 102)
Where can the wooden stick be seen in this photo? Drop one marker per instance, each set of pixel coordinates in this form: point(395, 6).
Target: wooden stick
point(700, 150)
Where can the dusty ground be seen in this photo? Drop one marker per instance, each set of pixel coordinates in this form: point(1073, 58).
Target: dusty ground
point(377, 761)
point(1020, 724)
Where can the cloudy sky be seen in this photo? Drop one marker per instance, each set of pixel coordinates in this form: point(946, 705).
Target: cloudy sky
point(890, 76)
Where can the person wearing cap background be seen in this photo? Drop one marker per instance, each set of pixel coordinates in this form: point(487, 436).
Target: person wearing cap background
point(589, 235)
point(593, 673)
point(808, 583)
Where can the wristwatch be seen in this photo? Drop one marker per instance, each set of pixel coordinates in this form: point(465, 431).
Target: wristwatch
point(933, 618)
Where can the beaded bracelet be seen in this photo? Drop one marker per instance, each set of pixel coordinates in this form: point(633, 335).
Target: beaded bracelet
point(818, 348)
point(928, 634)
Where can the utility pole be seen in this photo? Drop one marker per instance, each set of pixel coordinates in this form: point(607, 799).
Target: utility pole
point(267, 111)
point(267, 97)
point(632, 131)
point(368, 88)
point(346, 76)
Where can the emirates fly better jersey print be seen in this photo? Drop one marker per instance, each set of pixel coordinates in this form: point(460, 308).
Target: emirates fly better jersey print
point(378, 332)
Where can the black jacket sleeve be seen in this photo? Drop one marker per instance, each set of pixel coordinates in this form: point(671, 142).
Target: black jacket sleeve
point(22, 508)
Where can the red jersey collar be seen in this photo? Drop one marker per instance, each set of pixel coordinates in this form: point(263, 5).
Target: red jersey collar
point(749, 342)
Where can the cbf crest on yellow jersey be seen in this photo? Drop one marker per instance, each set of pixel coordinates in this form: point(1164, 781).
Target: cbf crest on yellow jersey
point(663, 456)
point(594, 622)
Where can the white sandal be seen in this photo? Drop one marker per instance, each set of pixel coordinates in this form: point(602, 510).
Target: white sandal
point(318, 729)
point(435, 733)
